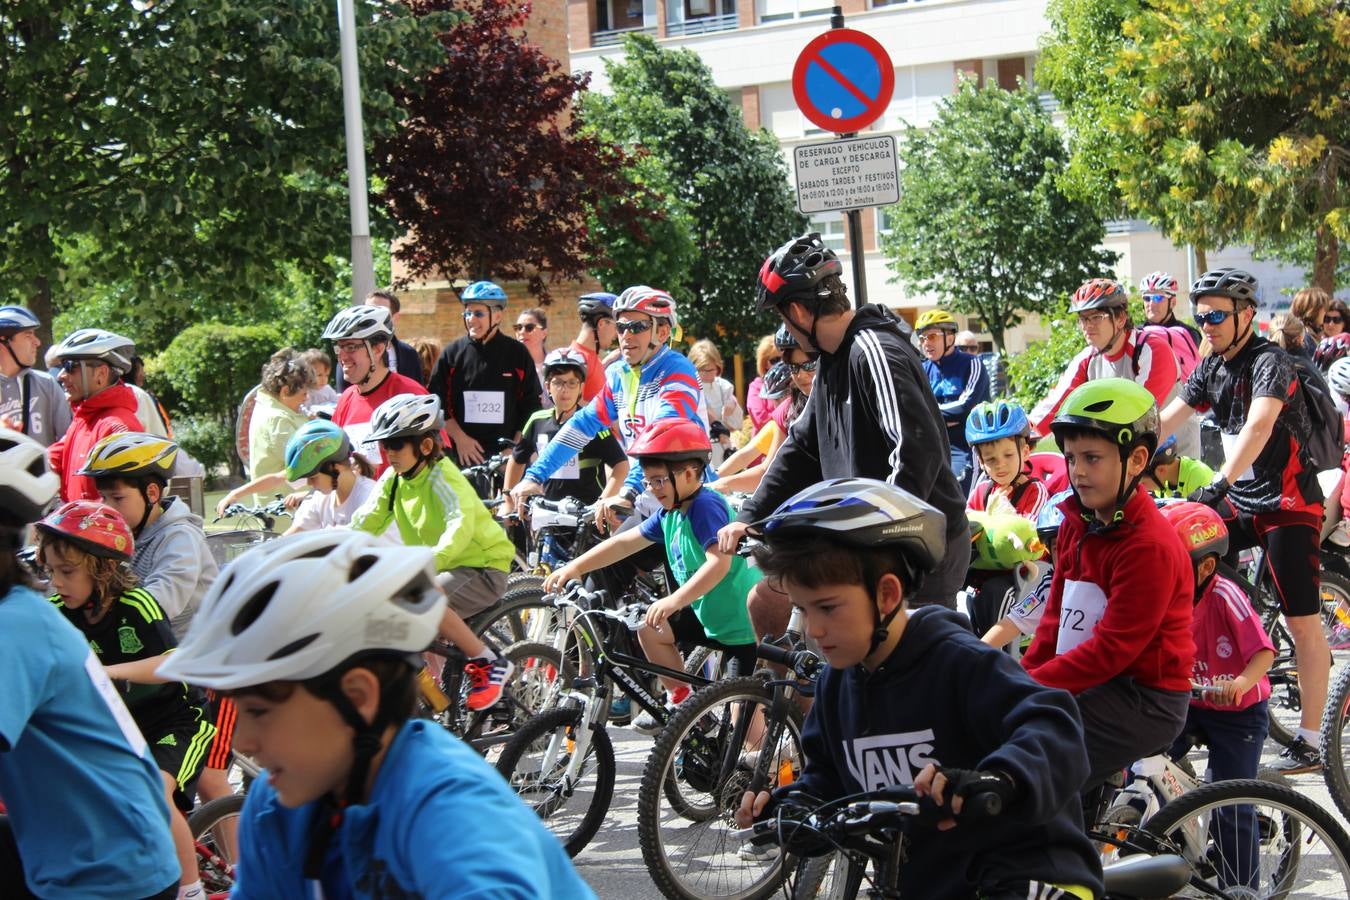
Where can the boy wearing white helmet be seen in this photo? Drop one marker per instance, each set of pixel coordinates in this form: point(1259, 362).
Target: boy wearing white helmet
point(93, 363)
point(316, 636)
point(31, 402)
point(64, 724)
point(431, 504)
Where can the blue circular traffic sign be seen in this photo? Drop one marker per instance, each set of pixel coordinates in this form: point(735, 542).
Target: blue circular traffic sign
point(843, 80)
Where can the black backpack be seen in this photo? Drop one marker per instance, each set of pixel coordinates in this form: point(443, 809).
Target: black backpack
point(1324, 445)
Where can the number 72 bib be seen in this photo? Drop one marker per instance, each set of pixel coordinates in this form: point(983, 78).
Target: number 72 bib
point(1083, 606)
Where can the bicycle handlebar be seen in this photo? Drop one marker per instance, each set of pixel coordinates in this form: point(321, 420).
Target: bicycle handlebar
point(271, 510)
point(592, 603)
point(802, 662)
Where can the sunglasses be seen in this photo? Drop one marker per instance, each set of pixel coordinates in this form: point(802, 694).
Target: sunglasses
point(1213, 317)
point(475, 313)
point(638, 327)
point(1334, 320)
point(808, 366)
point(527, 327)
point(1154, 298)
point(70, 365)
point(396, 443)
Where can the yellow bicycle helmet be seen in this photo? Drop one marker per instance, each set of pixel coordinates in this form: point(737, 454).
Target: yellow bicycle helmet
point(935, 318)
point(131, 455)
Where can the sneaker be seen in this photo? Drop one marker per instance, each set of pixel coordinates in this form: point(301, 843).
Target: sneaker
point(486, 678)
point(1296, 759)
point(648, 724)
point(620, 710)
point(760, 853)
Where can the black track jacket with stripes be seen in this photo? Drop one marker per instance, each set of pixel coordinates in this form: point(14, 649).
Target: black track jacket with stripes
point(871, 415)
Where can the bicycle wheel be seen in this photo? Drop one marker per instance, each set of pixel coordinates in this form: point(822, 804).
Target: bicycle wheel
point(835, 876)
point(1251, 838)
point(226, 545)
point(703, 761)
point(524, 614)
point(1336, 610)
point(525, 693)
point(1285, 707)
point(1336, 741)
point(215, 828)
point(536, 761)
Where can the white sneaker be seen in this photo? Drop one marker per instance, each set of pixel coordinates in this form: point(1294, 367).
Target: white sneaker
point(646, 723)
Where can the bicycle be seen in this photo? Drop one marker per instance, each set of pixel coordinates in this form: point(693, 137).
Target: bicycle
point(1335, 741)
point(258, 521)
point(555, 755)
point(735, 735)
point(214, 826)
point(869, 830)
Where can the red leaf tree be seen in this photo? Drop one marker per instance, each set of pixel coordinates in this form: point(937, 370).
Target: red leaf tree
point(491, 175)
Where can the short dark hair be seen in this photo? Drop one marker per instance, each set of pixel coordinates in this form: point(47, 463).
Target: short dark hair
point(398, 687)
point(814, 561)
point(832, 300)
point(394, 305)
point(138, 482)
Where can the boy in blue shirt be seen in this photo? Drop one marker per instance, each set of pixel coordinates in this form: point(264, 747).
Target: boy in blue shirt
point(358, 797)
point(673, 454)
point(916, 699)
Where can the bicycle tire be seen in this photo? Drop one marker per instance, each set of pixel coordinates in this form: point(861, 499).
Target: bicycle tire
point(543, 727)
point(513, 619)
point(670, 753)
point(225, 546)
point(834, 876)
point(214, 869)
point(1284, 818)
point(1336, 742)
point(1286, 699)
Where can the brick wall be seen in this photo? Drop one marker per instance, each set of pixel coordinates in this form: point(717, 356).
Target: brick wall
point(547, 27)
point(438, 314)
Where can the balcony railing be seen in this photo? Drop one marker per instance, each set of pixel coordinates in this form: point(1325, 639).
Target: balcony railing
point(610, 38)
point(703, 25)
point(1049, 102)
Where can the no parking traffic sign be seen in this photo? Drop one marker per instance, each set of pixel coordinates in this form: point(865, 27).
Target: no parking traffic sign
point(843, 80)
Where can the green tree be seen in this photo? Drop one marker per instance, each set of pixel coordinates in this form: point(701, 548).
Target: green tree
point(190, 143)
point(1221, 122)
point(982, 222)
point(729, 182)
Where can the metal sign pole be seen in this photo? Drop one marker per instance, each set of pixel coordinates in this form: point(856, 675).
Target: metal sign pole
point(363, 274)
point(853, 216)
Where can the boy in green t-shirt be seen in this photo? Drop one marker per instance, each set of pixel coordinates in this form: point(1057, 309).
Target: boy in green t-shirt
point(674, 454)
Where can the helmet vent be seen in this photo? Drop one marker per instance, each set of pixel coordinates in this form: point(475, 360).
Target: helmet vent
point(295, 646)
point(361, 565)
point(255, 607)
point(1099, 406)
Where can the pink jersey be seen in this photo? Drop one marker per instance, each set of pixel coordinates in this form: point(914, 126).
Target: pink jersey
point(1227, 634)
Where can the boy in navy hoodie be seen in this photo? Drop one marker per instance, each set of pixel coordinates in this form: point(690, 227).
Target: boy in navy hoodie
point(916, 699)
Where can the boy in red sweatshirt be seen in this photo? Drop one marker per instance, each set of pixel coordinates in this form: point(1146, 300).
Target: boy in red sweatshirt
point(1117, 628)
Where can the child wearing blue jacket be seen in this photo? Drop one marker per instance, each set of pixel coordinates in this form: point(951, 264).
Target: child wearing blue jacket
point(917, 700)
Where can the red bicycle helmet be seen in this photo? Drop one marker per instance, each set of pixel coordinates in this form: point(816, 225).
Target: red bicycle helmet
point(655, 303)
point(673, 440)
point(1200, 528)
point(1099, 293)
point(1330, 349)
point(96, 529)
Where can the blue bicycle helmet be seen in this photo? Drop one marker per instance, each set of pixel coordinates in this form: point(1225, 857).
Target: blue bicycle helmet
point(1166, 452)
point(484, 292)
point(315, 443)
point(597, 305)
point(1051, 517)
point(990, 421)
point(16, 318)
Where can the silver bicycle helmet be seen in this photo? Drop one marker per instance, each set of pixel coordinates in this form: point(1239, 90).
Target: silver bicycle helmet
point(564, 358)
point(1338, 376)
point(360, 323)
point(27, 485)
point(95, 343)
point(407, 415)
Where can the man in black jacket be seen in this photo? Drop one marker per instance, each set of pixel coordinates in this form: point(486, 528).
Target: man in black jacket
point(402, 358)
point(871, 412)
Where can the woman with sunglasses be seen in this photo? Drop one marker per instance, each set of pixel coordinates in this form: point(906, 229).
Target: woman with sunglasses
point(486, 381)
point(532, 331)
point(1334, 322)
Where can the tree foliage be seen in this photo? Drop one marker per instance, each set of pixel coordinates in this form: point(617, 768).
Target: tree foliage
point(1035, 370)
point(1220, 122)
point(982, 222)
point(178, 144)
point(727, 184)
point(492, 174)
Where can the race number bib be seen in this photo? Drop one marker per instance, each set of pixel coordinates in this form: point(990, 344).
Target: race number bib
point(359, 435)
point(99, 676)
point(484, 407)
point(569, 470)
point(1083, 607)
point(1230, 449)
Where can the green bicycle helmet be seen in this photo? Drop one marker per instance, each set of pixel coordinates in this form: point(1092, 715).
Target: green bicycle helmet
point(1118, 409)
point(316, 443)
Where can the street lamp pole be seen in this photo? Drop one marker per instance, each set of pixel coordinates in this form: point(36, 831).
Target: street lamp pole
point(363, 269)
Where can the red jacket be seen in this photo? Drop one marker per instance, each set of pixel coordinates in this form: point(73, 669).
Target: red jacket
point(1124, 599)
point(110, 411)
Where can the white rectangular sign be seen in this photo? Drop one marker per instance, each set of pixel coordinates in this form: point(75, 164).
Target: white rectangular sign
point(849, 174)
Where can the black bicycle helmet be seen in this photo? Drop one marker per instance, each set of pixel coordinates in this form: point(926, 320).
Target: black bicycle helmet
point(1236, 284)
point(795, 270)
point(597, 305)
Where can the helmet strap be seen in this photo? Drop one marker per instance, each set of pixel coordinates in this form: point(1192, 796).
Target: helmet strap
point(370, 353)
point(149, 508)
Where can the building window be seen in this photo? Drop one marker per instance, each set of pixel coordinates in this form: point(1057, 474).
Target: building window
point(885, 223)
point(782, 10)
point(831, 228)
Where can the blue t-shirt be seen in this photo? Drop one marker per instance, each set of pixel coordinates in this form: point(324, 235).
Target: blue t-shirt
point(84, 796)
point(687, 534)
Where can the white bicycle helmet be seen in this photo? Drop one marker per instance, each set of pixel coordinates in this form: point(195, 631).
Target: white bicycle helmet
point(95, 343)
point(1338, 376)
point(652, 301)
point(299, 607)
point(407, 415)
point(360, 323)
point(562, 359)
point(27, 485)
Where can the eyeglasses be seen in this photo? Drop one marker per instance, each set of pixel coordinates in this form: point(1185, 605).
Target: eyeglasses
point(527, 327)
point(395, 443)
point(808, 366)
point(1093, 317)
point(1213, 317)
point(1155, 298)
point(566, 384)
point(652, 484)
point(930, 333)
point(347, 349)
point(637, 327)
point(475, 314)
